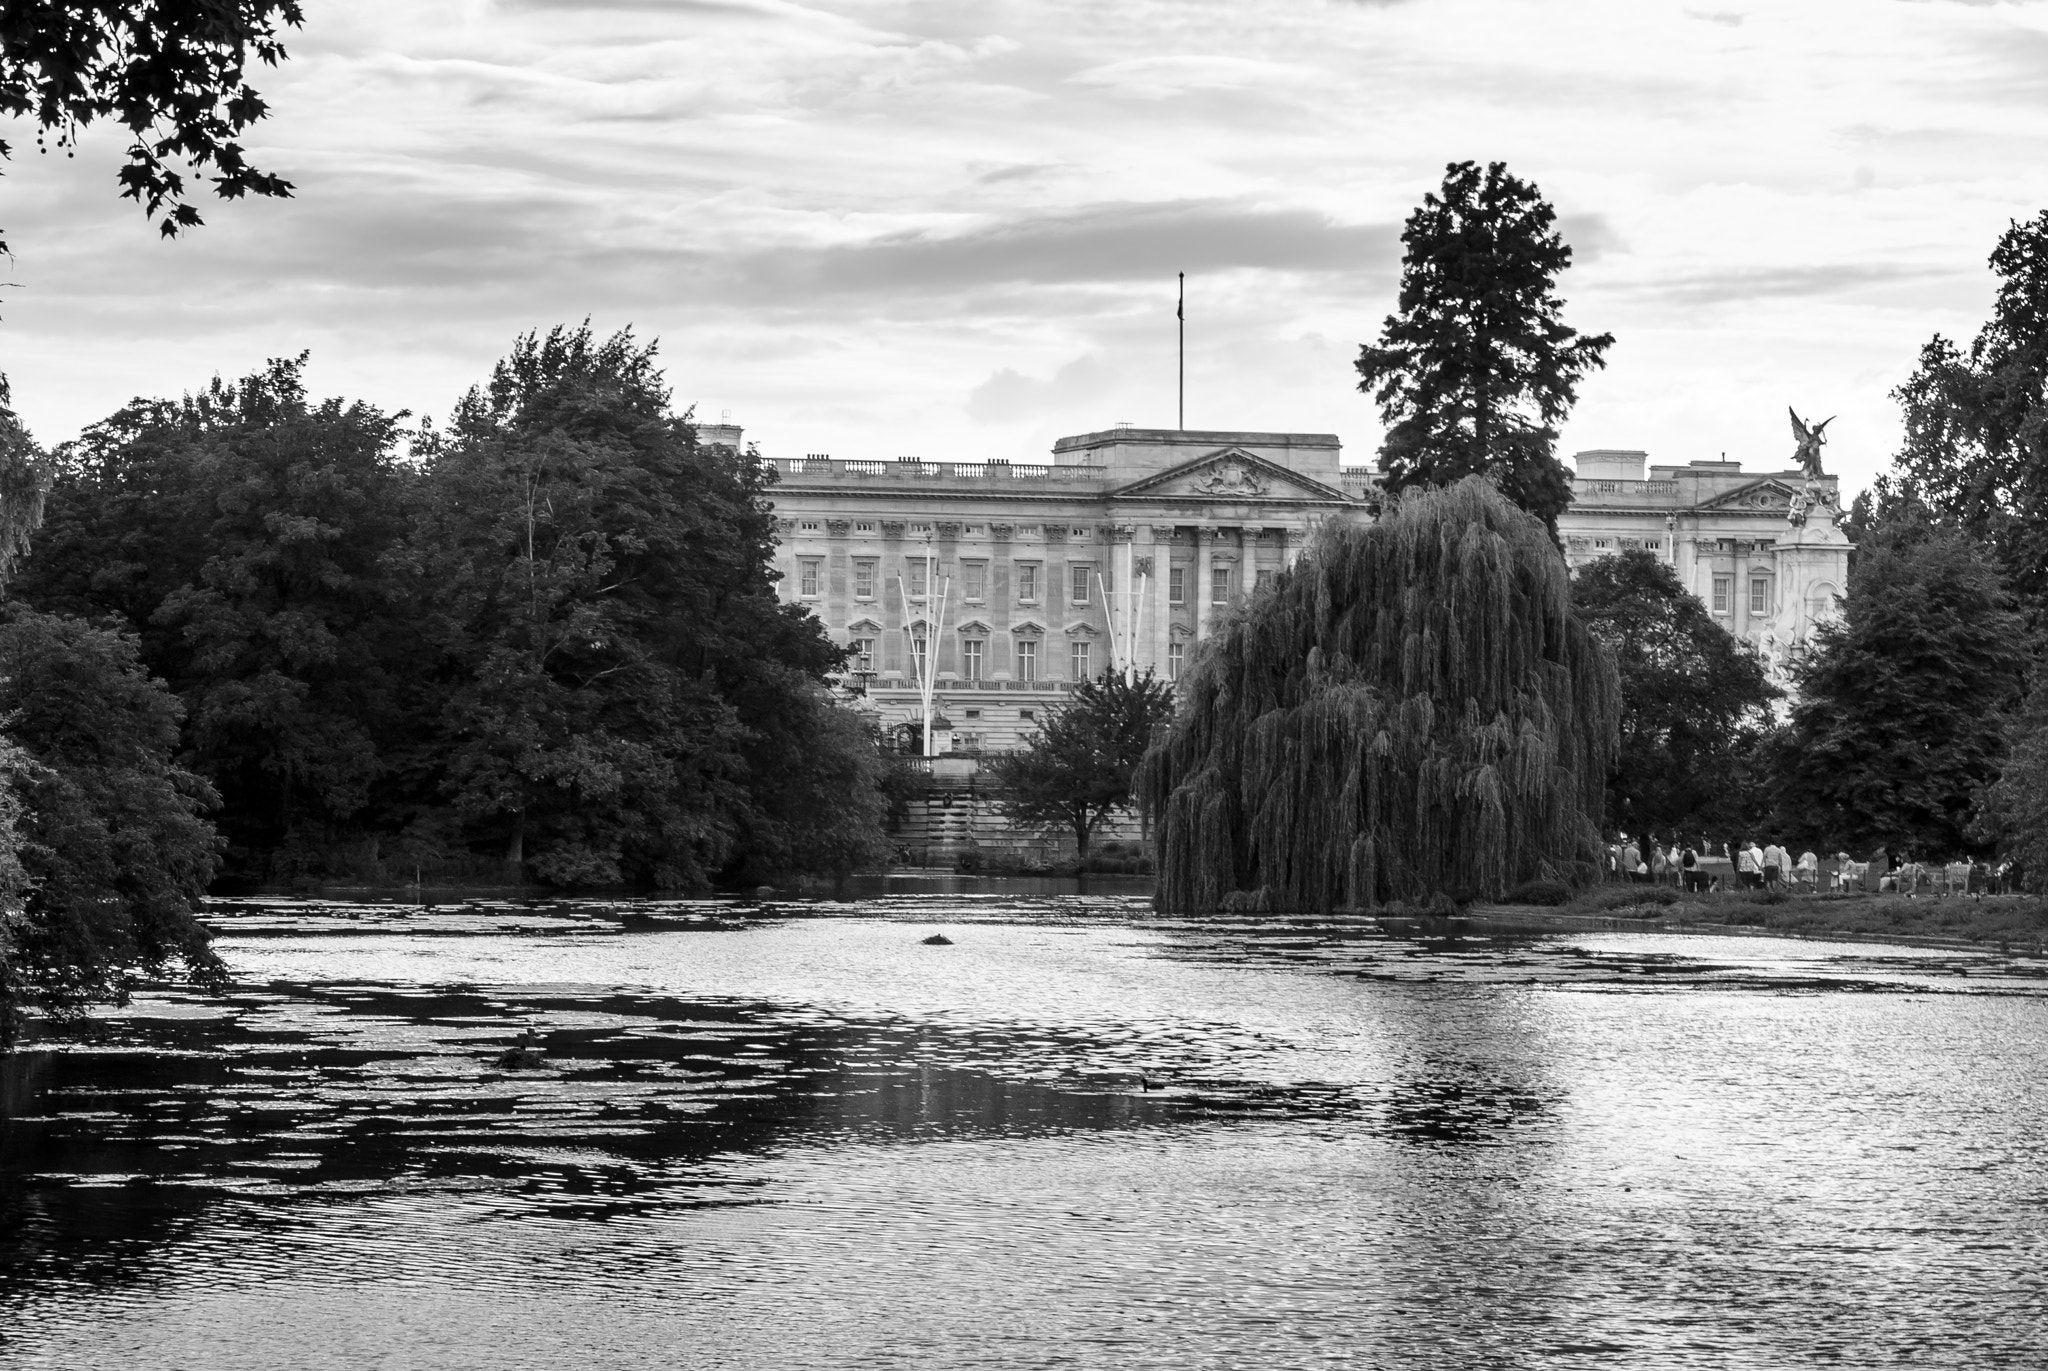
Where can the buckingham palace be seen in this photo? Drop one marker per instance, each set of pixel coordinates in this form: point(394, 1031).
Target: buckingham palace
point(997, 585)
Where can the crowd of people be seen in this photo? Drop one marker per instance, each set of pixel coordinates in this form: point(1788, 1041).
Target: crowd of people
point(1747, 865)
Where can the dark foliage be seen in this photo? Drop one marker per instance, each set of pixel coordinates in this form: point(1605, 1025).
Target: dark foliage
point(1975, 455)
point(173, 73)
point(544, 645)
point(115, 846)
point(1695, 702)
point(1079, 765)
point(246, 534)
point(1414, 712)
point(1477, 369)
point(1903, 704)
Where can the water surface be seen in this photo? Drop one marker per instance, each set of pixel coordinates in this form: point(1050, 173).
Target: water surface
point(796, 1136)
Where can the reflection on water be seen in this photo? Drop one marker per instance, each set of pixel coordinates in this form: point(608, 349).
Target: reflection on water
point(794, 1135)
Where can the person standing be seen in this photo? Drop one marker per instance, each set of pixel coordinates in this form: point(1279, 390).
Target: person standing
point(1689, 868)
point(1631, 858)
point(1774, 864)
point(1749, 864)
point(1809, 871)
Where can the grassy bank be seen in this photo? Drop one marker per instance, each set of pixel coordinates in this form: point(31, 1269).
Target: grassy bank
point(2018, 922)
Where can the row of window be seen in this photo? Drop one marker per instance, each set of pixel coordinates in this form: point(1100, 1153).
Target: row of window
point(974, 658)
point(1075, 532)
point(1759, 594)
point(1081, 581)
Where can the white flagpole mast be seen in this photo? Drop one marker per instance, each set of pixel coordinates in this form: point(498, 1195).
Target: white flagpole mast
point(925, 668)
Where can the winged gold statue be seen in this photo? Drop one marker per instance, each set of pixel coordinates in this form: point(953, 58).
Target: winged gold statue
point(1810, 440)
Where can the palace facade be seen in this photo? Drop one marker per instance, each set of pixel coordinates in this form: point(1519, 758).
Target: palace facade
point(1025, 578)
point(1021, 579)
point(1760, 549)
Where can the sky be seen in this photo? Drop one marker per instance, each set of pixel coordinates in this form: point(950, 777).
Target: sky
point(947, 229)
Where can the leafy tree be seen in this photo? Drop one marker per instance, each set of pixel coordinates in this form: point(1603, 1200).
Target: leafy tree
point(1975, 454)
point(1080, 764)
point(1412, 712)
point(2012, 812)
point(171, 72)
point(819, 793)
point(1695, 702)
point(246, 534)
point(1903, 701)
point(24, 481)
point(616, 665)
point(116, 847)
point(1477, 369)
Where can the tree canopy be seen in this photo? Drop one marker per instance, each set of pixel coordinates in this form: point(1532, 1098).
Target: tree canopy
point(1902, 703)
point(1413, 710)
point(1081, 763)
point(542, 644)
point(1476, 370)
point(116, 848)
point(173, 73)
point(1975, 452)
point(1695, 701)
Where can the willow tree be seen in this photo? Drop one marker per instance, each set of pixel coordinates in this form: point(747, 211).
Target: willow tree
point(1413, 710)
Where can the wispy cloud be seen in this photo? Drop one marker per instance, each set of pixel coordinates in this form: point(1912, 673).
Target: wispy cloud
point(888, 225)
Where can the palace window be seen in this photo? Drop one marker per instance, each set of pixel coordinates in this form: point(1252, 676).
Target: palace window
point(864, 654)
point(972, 651)
point(1077, 531)
point(1177, 585)
point(1080, 585)
point(971, 713)
point(1027, 715)
point(809, 525)
point(1759, 595)
point(915, 574)
point(1263, 579)
point(1078, 663)
point(807, 576)
point(975, 531)
point(1219, 593)
point(921, 530)
point(864, 578)
point(1176, 658)
point(917, 651)
point(1027, 582)
point(863, 526)
point(975, 576)
point(1722, 587)
point(1027, 659)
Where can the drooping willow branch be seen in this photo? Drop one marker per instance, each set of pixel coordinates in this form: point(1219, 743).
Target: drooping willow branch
point(1411, 711)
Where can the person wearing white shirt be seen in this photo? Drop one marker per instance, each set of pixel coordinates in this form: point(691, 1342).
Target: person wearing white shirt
point(1774, 865)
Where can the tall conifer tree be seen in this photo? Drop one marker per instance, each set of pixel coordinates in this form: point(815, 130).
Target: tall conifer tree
point(1477, 369)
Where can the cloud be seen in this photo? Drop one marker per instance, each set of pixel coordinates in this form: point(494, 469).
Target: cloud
point(1156, 78)
point(1008, 396)
point(1098, 243)
point(1788, 282)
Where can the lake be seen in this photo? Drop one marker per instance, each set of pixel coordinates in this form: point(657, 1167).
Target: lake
point(795, 1135)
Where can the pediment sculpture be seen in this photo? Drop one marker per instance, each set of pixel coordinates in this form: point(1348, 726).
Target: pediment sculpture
point(1231, 478)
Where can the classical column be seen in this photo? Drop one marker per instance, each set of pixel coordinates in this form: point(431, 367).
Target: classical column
point(1204, 546)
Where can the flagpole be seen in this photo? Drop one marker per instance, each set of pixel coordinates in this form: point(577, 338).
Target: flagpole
point(1180, 315)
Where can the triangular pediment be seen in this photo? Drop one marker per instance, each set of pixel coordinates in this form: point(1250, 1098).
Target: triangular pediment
point(1234, 475)
point(1766, 494)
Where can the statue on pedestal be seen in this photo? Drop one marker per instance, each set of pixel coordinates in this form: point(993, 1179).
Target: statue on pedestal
point(1810, 440)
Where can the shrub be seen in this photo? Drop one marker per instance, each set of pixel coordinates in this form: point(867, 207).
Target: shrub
point(1541, 891)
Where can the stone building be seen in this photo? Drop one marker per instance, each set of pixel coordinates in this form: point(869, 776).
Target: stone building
point(1024, 578)
point(1760, 549)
